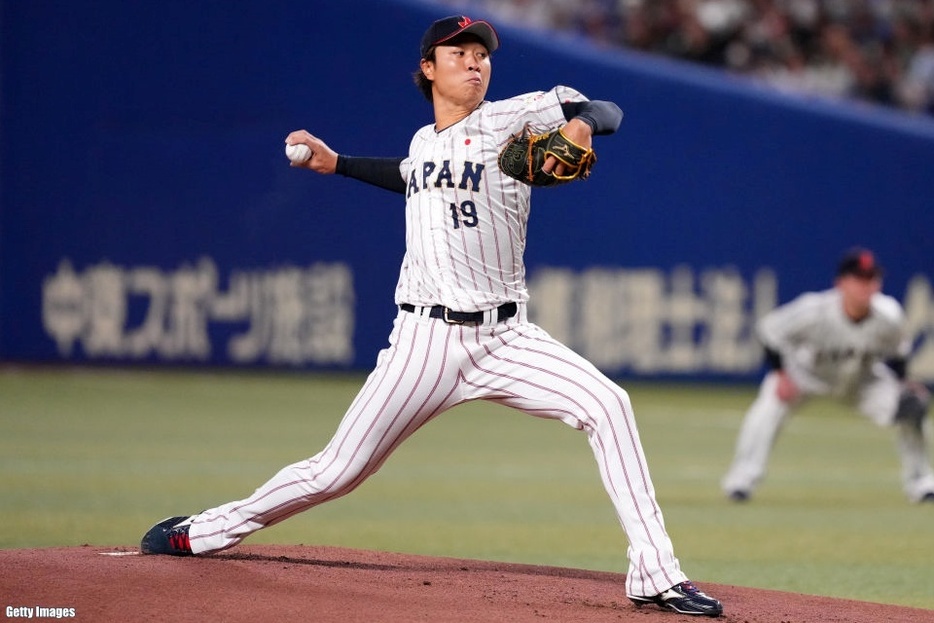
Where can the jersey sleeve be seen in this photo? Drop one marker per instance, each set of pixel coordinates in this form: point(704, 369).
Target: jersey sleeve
point(541, 110)
point(405, 166)
point(786, 326)
point(898, 343)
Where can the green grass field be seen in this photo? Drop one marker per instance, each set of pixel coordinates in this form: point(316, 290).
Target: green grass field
point(91, 456)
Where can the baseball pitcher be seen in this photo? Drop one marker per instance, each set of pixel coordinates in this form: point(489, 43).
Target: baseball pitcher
point(462, 332)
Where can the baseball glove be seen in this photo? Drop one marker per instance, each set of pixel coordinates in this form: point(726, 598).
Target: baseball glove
point(525, 153)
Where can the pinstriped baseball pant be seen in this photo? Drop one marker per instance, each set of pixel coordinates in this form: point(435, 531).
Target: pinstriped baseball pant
point(431, 366)
point(877, 400)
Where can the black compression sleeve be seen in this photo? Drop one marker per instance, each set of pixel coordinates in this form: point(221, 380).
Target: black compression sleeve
point(899, 366)
point(602, 117)
point(382, 172)
point(773, 359)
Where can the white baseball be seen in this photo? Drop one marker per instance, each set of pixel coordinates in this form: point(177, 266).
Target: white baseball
point(298, 153)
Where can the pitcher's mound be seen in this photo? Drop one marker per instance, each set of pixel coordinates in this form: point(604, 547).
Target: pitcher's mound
point(329, 584)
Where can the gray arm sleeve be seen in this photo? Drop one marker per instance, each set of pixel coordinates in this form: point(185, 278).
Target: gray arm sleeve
point(602, 117)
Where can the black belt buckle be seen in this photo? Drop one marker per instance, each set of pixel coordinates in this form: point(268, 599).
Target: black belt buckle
point(448, 320)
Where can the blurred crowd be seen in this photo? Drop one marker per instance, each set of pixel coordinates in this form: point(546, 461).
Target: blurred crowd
point(879, 51)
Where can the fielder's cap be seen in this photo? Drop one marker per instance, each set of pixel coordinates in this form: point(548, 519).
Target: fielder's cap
point(450, 27)
point(860, 262)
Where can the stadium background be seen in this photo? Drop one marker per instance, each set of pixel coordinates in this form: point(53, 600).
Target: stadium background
point(149, 216)
point(148, 219)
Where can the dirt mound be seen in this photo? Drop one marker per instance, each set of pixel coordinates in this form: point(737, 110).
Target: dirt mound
point(324, 584)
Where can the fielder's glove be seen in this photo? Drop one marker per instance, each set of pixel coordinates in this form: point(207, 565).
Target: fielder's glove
point(525, 153)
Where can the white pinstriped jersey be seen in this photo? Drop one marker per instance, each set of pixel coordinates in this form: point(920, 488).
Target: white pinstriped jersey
point(465, 237)
point(825, 351)
point(466, 220)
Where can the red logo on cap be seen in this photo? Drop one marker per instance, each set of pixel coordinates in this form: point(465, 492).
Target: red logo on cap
point(465, 22)
point(866, 261)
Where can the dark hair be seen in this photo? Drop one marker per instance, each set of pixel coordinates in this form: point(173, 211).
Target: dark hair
point(422, 81)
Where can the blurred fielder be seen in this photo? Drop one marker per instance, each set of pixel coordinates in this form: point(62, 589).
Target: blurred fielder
point(848, 342)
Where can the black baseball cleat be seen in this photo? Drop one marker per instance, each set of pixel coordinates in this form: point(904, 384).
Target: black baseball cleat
point(738, 495)
point(684, 598)
point(169, 536)
point(927, 497)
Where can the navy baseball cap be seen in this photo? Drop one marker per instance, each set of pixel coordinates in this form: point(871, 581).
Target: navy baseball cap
point(450, 27)
point(859, 262)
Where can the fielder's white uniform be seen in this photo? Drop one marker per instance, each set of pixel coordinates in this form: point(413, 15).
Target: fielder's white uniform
point(465, 238)
point(825, 353)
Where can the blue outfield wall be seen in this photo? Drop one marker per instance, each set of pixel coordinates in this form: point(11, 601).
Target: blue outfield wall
point(149, 216)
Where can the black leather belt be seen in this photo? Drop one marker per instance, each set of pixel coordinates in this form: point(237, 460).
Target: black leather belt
point(504, 311)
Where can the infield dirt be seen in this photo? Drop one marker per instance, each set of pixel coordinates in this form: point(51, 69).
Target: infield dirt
point(329, 584)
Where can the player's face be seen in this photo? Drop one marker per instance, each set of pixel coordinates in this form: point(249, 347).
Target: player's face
point(857, 293)
point(460, 73)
